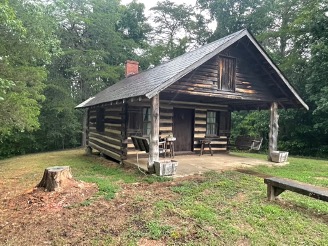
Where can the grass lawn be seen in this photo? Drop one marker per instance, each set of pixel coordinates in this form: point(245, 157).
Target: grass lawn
point(227, 208)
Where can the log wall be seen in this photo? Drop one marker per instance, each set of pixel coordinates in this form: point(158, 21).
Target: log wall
point(203, 81)
point(111, 140)
point(219, 144)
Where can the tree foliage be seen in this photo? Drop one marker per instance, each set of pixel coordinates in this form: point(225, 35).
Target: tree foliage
point(57, 53)
point(26, 45)
point(178, 28)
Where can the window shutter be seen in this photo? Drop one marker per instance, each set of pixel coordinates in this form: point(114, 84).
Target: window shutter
point(225, 123)
point(226, 73)
point(100, 124)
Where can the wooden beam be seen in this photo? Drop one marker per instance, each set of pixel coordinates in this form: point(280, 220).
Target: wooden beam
point(274, 127)
point(85, 127)
point(194, 103)
point(269, 61)
point(154, 133)
point(266, 71)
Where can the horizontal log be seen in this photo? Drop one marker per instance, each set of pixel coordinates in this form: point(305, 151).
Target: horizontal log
point(118, 152)
point(113, 131)
point(200, 129)
point(139, 104)
point(202, 121)
point(114, 109)
point(106, 152)
point(165, 114)
point(246, 91)
point(117, 136)
point(111, 127)
point(201, 110)
point(168, 128)
point(199, 115)
point(105, 138)
point(107, 144)
point(106, 130)
point(199, 106)
point(166, 124)
point(199, 135)
point(226, 95)
point(113, 117)
point(163, 107)
point(166, 110)
point(166, 121)
point(198, 82)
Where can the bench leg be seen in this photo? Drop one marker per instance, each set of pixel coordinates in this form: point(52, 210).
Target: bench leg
point(210, 147)
point(201, 149)
point(273, 192)
point(270, 193)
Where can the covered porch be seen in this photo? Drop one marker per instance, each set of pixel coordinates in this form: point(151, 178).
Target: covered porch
point(192, 164)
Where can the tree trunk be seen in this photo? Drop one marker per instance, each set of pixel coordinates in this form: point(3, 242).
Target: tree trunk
point(274, 128)
point(55, 178)
point(154, 134)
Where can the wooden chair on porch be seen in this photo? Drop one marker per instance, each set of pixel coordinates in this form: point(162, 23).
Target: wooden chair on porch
point(142, 144)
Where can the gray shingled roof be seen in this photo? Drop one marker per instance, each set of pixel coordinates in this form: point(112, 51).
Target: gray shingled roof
point(152, 81)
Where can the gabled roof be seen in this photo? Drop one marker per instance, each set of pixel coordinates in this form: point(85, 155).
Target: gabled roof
point(152, 81)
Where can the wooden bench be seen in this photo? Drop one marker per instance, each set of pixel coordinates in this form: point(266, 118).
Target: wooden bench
point(275, 186)
point(203, 142)
point(247, 143)
point(142, 144)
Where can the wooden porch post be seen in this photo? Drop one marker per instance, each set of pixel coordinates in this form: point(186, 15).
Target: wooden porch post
point(154, 133)
point(274, 127)
point(85, 127)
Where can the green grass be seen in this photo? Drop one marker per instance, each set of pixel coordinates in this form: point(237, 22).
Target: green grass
point(311, 171)
point(107, 175)
point(227, 208)
point(234, 206)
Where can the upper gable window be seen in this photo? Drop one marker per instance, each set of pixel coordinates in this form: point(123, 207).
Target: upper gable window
point(227, 73)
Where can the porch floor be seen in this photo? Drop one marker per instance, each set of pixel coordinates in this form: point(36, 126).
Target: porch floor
point(194, 164)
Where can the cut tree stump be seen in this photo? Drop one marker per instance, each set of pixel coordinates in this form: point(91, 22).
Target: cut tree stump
point(55, 178)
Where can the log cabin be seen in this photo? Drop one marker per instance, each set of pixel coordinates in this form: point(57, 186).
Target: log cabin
point(189, 97)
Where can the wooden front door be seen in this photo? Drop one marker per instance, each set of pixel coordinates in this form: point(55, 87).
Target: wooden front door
point(183, 129)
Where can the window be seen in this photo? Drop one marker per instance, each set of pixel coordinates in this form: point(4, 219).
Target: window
point(146, 121)
point(100, 121)
point(212, 123)
point(134, 122)
point(227, 73)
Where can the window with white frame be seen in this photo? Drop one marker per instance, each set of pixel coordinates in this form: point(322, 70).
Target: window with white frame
point(212, 123)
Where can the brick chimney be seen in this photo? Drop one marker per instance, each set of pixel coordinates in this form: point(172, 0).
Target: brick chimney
point(131, 68)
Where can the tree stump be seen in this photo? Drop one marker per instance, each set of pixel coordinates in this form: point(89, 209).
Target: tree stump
point(54, 178)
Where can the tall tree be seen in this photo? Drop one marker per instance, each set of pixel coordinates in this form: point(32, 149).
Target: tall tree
point(97, 36)
point(27, 45)
point(178, 28)
point(233, 15)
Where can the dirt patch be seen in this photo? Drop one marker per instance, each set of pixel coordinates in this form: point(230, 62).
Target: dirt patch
point(60, 218)
point(254, 173)
point(38, 199)
point(148, 242)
